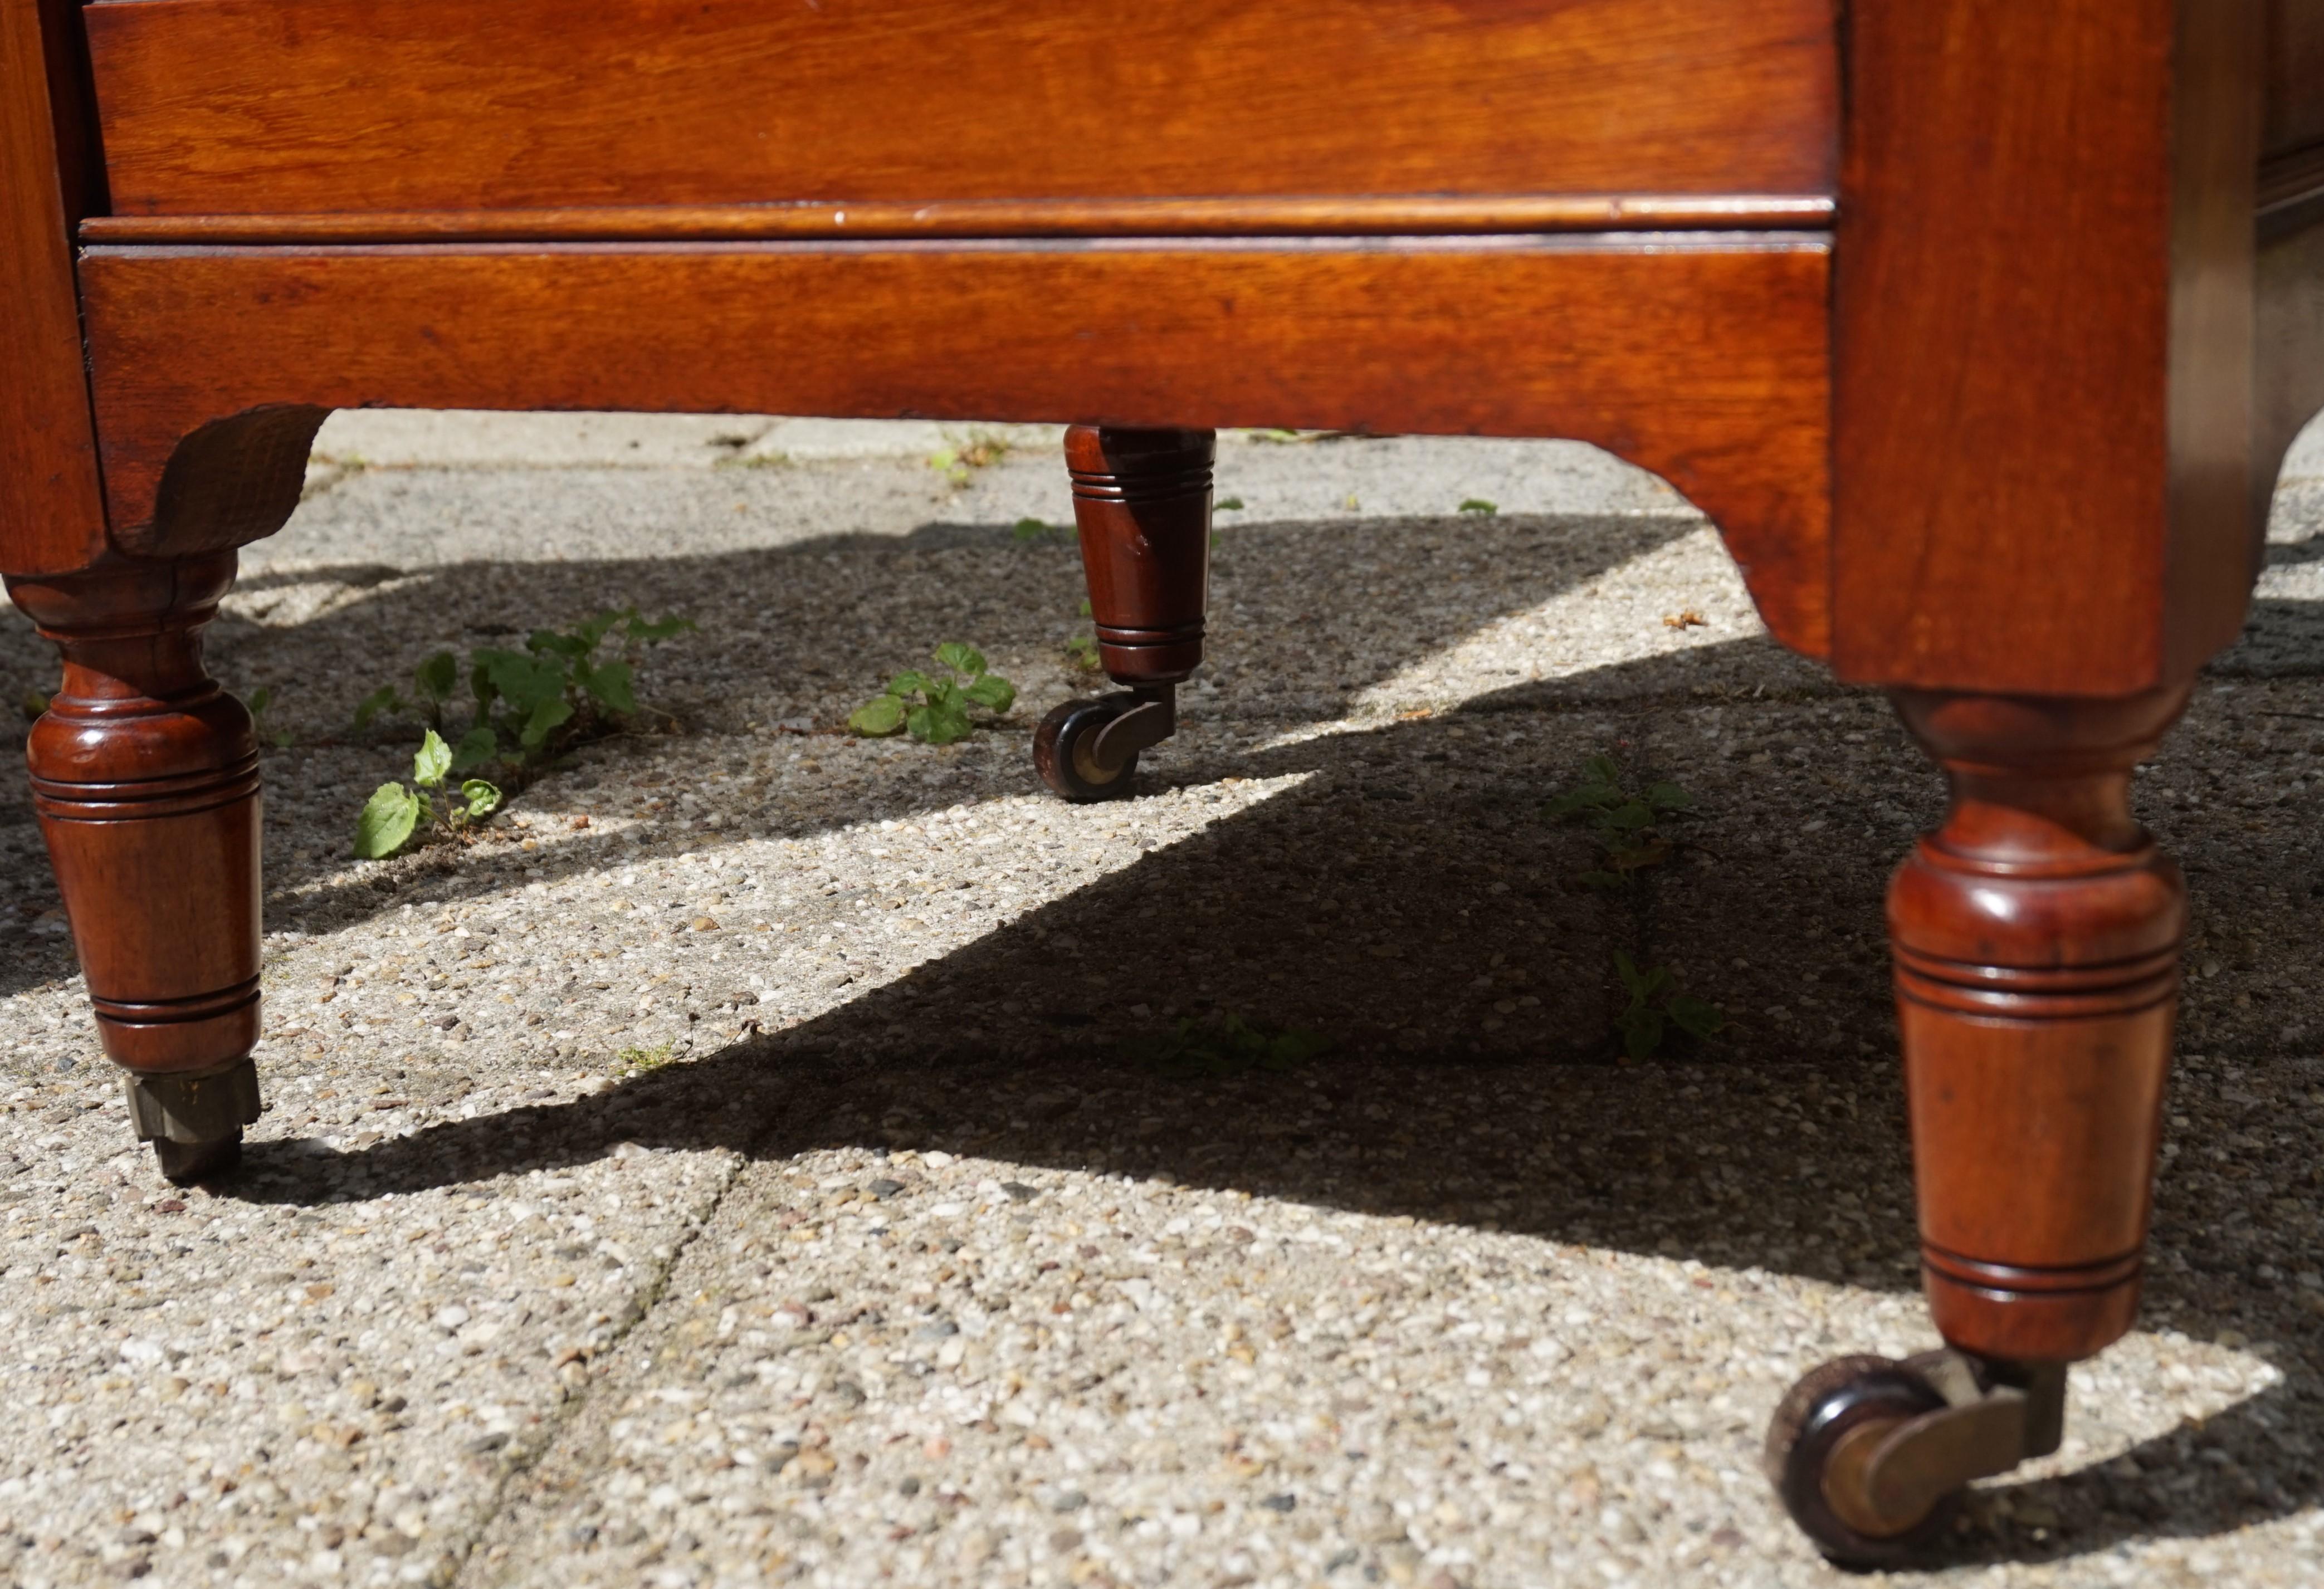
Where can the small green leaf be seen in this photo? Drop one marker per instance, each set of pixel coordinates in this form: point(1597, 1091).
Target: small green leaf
point(543, 720)
point(32, 705)
point(478, 746)
point(436, 676)
point(907, 684)
point(1694, 1016)
point(1627, 817)
point(1669, 797)
point(259, 700)
point(432, 761)
point(1587, 797)
point(597, 627)
point(1603, 769)
point(385, 822)
point(1296, 1048)
point(609, 683)
point(939, 723)
point(944, 460)
point(482, 798)
point(992, 692)
point(661, 629)
point(961, 658)
point(1231, 505)
point(549, 642)
point(383, 699)
point(1641, 1026)
point(879, 717)
point(1478, 505)
point(944, 693)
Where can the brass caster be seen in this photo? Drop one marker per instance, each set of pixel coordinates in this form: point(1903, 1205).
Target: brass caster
point(1870, 1457)
point(1087, 750)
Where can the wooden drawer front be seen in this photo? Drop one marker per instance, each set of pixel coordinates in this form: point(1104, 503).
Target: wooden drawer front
point(252, 106)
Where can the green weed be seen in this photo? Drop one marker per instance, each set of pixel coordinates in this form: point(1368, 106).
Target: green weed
point(934, 707)
point(1625, 820)
point(259, 700)
point(393, 813)
point(1481, 508)
point(1656, 1004)
point(960, 463)
point(639, 1062)
point(1036, 531)
point(1231, 505)
point(529, 705)
point(1229, 1045)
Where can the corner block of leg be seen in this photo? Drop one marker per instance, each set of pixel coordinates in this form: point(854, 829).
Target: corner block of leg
point(2036, 937)
point(146, 785)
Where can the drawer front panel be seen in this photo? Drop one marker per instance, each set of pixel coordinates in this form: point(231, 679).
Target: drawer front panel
point(255, 106)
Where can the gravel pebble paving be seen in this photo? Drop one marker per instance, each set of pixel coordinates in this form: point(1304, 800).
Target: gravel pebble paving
point(744, 1164)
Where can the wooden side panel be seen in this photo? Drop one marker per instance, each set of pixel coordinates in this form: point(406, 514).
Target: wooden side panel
point(1705, 358)
point(2291, 341)
point(52, 512)
point(226, 107)
point(2295, 75)
point(2043, 341)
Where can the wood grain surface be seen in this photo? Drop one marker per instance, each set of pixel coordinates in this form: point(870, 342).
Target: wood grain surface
point(226, 106)
point(51, 510)
point(2044, 341)
point(146, 781)
point(995, 217)
point(1700, 357)
point(2037, 938)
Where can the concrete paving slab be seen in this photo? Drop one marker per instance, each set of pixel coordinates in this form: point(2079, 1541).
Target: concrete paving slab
point(857, 1232)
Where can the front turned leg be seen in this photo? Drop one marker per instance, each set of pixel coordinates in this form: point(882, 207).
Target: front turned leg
point(2036, 938)
point(1142, 504)
point(145, 780)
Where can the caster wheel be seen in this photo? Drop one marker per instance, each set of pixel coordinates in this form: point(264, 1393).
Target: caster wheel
point(1064, 745)
point(1822, 1436)
point(185, 1162)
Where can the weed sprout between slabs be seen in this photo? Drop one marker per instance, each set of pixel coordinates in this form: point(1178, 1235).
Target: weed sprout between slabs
point(934, 707)
point(529, 706)
point(1628, 825)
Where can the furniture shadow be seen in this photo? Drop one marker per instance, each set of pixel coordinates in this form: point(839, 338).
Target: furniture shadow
point(837, 616)
point(1362, 904)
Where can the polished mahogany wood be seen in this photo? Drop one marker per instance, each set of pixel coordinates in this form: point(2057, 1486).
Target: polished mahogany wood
point(2043, 341)
point(1351, 216)
point(146, 781)
point(2036, 936)
point(1700, 357)
point(51, 509)
point(1142, 506)
point(219, 106)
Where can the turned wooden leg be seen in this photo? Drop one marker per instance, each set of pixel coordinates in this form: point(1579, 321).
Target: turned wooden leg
point(1142, 504)
point(2036, 939)
point(145, 780)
